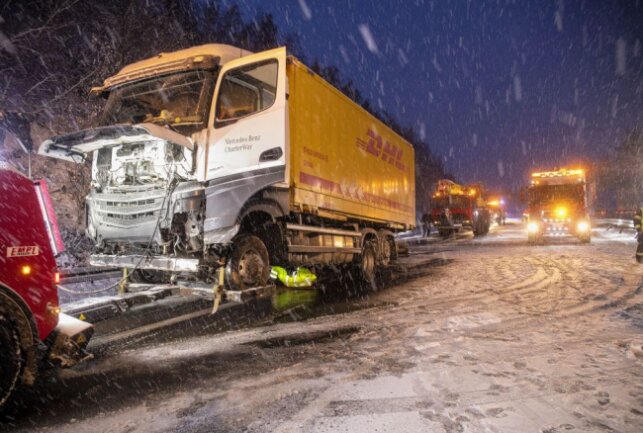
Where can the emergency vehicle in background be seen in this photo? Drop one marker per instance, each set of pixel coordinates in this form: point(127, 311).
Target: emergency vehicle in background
point(214, 157)
point(497, 209)
point(457, 208)
point(33, 331)
point(557, 205)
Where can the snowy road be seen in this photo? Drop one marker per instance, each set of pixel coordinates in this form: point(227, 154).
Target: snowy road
point(499, 337)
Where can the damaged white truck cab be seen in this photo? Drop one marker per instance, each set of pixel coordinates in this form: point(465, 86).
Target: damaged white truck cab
point(192, 169)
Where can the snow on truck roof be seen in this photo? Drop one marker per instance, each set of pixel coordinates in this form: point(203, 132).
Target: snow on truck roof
point(208, 54)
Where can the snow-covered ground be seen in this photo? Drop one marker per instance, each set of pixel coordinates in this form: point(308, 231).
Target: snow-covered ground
point(498, 337)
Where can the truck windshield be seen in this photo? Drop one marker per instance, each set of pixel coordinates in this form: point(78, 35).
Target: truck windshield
point(543, 195)
point(180, 100)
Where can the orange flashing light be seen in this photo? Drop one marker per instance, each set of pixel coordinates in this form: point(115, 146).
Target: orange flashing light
point(561, 172)
point(561, 212)
point(25, 270)
point(57, 278)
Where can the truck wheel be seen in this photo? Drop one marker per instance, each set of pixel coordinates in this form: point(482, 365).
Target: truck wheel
point(248, 265)
point(585, 239)
point(478, 229)
point(368, 263)
point(393, 246)
point(10, 360)
point(389, 251)
point(445, 233)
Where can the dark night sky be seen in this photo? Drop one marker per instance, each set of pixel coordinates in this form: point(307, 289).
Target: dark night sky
point(496, 87)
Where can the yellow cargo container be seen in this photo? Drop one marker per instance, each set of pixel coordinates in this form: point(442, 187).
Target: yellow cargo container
point(343, 160)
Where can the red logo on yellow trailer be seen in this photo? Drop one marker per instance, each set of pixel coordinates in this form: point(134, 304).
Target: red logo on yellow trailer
point(380, 148)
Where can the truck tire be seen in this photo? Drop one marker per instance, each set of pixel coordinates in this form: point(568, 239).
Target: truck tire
point(248, 265)
point(482, 224)
point(478, 227)
point(11, 363)
point(585, 239)
point(389, 251)
point(394, 250)
point(368, 263)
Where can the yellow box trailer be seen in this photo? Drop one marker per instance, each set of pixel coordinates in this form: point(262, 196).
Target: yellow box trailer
point(216, 156)
point(343, 160)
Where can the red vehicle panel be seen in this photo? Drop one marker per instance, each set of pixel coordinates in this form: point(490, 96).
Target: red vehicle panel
point(27, 265)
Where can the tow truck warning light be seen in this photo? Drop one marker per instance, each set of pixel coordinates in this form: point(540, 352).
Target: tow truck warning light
point(557, 174)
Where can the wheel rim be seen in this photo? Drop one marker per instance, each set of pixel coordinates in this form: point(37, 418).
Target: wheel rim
point(251, 266)
point(368, 263)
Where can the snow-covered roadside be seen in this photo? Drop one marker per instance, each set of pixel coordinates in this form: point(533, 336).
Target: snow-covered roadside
point(505, 338)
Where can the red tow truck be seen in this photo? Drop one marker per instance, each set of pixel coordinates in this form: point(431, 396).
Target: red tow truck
point(33, 331)
point(457, 208)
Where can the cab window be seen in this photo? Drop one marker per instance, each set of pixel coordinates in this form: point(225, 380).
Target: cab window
point(246, 90)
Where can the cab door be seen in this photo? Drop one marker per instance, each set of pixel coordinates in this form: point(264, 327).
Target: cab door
point(247, 126)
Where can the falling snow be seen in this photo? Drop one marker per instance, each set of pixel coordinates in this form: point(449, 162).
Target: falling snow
point(305, 9)
point(368, 38)
point(505, 332)
point(621, 56)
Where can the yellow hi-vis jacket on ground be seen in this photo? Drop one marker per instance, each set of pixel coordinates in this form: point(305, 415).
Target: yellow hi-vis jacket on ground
point(301, 277)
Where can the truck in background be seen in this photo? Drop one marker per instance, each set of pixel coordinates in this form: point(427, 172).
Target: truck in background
point(557, 205)
point(32, 328)
point(215, 157)
point(457, 207)
point(497, 210)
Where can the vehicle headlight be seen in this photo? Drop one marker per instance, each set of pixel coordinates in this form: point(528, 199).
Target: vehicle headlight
point(582, 226)
point(532, 227)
